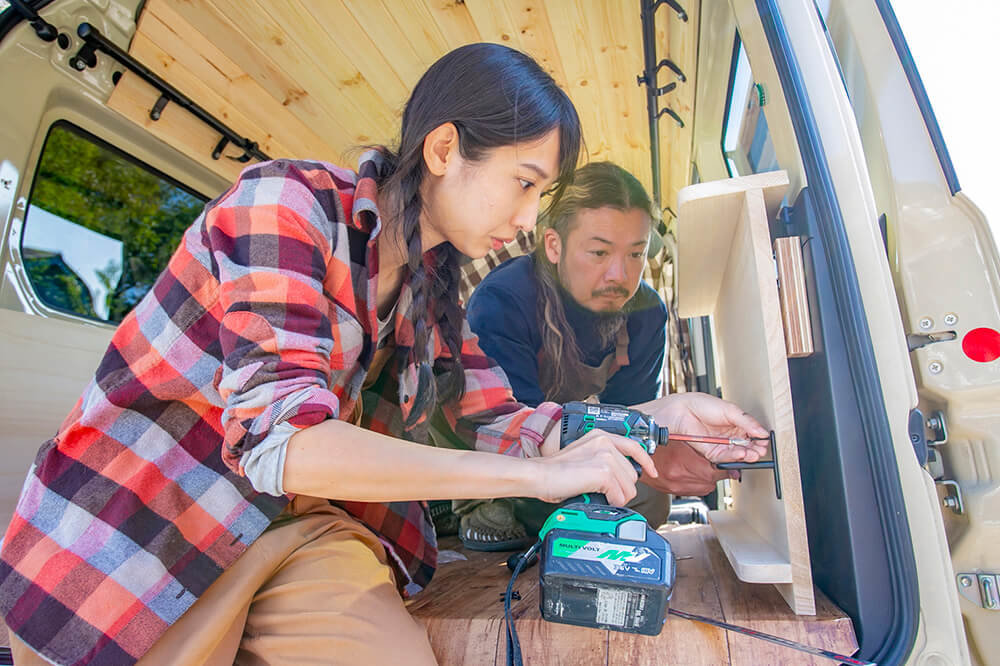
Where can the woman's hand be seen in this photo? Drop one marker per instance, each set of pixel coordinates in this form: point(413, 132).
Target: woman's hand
point(597, 462)
point(703, 414)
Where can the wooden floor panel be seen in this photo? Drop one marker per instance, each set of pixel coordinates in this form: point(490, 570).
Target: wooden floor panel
point(463, 612)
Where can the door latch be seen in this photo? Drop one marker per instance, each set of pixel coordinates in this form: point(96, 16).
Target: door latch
point(980, 589)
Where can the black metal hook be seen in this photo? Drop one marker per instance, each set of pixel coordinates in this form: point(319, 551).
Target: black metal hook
point(670, 112)
point(681, 14)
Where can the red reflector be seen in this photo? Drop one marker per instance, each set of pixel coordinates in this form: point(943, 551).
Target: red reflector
point(982, 344)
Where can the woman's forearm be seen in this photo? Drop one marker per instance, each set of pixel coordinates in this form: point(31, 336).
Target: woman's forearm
point(337, 460)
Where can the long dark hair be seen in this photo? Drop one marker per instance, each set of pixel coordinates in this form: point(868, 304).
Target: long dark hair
point(596, 185)
point(495, 96)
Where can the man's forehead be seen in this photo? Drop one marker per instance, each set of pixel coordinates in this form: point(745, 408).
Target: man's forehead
point(611, 226)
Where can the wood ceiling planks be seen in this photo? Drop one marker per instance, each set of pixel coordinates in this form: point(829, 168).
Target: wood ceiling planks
point(315, 78)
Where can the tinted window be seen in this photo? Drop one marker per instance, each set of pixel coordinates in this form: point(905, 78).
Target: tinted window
point(100, 226)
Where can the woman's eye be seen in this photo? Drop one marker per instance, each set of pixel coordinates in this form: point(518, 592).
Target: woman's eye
point(525, 184)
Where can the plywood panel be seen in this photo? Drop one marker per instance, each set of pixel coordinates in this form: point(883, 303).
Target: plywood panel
point(724, 225)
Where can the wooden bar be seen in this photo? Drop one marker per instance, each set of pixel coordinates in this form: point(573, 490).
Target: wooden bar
point(792, 293)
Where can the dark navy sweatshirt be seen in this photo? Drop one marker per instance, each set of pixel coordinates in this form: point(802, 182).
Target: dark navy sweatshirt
point(503, 313)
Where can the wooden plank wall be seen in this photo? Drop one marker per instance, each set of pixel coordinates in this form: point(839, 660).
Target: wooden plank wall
point(316, 78)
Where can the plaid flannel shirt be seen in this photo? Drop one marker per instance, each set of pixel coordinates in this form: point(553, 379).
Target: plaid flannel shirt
point(265, 314)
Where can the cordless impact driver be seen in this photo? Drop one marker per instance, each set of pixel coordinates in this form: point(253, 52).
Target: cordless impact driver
point(601, 565)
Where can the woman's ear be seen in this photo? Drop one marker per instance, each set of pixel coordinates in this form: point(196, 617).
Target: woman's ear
point(440, 148)
point(553, 245)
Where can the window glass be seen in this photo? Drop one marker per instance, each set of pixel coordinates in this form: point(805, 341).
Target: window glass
point(100, 226)
point(746, 142)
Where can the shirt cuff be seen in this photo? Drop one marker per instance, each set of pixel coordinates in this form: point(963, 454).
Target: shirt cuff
point(264, 464)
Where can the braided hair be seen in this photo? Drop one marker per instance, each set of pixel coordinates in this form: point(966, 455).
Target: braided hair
point(494, 96)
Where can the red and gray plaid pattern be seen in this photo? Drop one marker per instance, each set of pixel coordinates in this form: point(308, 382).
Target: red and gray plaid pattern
point(265, 314)
point(474, 270)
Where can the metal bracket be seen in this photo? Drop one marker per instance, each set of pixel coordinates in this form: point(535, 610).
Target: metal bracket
point(939, 427)
point(953, 495)
point(157, 110)
point(771, 464)
point(980, 588)
point(84, 58)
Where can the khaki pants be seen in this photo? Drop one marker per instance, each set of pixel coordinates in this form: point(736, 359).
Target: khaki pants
point(315, 588)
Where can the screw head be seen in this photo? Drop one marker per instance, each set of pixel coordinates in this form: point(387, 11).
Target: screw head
point(951, 319)
point(926, 323)
point(951, 502)
point(935, 367)
point(966, 581)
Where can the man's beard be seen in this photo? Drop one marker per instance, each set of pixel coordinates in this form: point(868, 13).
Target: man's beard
point(608, 325)
point(607, 322)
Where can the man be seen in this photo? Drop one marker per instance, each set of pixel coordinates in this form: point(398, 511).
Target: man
point(574, 321)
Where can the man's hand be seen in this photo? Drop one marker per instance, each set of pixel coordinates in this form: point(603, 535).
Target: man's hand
point(703, 414)
point(684, 471)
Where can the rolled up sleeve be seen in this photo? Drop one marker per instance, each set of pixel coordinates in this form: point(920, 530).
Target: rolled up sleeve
point(277, 333)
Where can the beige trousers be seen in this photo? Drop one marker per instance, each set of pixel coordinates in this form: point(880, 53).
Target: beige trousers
point(315, 588)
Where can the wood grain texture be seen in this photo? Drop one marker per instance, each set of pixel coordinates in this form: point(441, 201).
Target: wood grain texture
point(793, 296)
point(726, 270)
point(315, 78)
point(463, 612)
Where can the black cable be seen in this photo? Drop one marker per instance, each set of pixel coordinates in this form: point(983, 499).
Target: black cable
point(514, 645)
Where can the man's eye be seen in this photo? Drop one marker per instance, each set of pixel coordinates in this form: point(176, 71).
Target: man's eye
point(599, 253)
point(638, 255)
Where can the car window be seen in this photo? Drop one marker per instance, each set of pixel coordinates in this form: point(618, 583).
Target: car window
point(746, 141)
point(100, 226)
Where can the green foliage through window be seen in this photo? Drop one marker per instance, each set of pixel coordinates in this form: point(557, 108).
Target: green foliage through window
point(100, 227)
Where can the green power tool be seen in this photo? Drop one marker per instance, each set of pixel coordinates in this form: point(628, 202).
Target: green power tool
point(600, 565)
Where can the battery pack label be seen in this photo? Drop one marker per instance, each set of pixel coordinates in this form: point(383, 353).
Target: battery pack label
point(612, 605)
point(614, 557)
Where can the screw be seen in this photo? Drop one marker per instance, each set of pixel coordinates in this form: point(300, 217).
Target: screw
point(951, 319)
point(951, 502)
point(935, 367)
point(926, 323)
point(966, 581)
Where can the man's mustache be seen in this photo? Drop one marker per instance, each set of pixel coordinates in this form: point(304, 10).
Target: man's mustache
point(610, 291)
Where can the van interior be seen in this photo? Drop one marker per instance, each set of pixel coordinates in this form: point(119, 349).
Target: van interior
point(780, 140)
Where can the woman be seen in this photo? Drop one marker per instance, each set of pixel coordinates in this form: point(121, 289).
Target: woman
point(308, 314)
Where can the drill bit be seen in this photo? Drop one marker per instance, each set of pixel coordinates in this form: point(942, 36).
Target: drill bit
point(710, 439)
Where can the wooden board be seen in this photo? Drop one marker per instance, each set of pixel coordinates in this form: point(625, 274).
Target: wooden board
point(792, 292)
point(726, 270)
point(463, 612)
point(315, 78)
